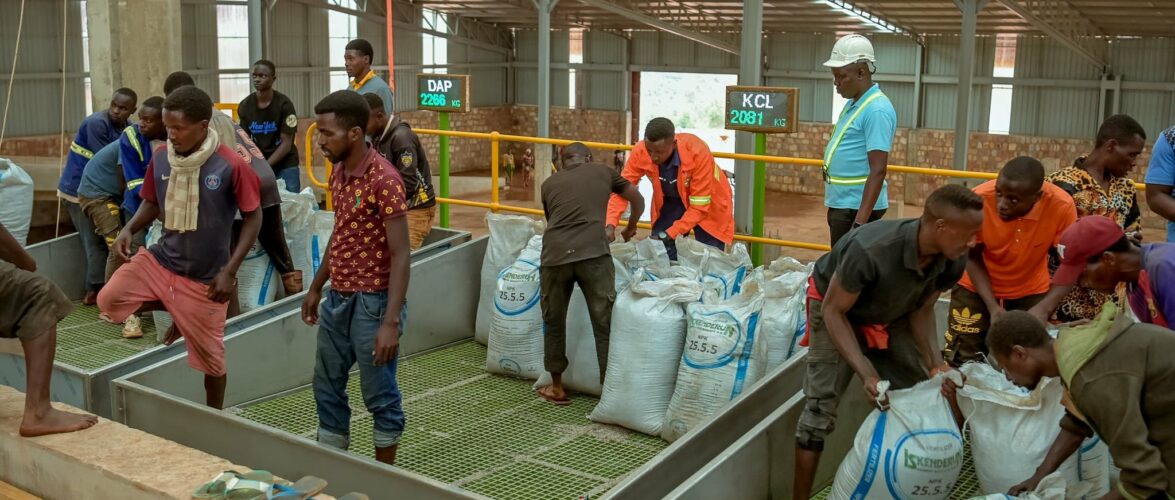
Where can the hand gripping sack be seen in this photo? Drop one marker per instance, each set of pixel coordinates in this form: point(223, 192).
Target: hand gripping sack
point(16, 200)
point(516, 330)
point(509, 234)
point(1011, 429)
point(723, 356)
point(1053, 487)
point(648, 333)
point(912, 451)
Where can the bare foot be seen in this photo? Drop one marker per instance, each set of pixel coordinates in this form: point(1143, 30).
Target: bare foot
point(555, 395)
point(55, 422)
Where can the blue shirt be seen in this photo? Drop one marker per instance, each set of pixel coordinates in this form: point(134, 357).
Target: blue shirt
point(95, 132)
point(872, 130)
point(134, 153)
point(672, 208)
point(102, 177)
point(379, 87)
point(1161, 171)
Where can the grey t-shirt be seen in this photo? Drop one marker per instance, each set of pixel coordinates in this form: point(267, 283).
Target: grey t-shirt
point(575, 200)
point(102, 177)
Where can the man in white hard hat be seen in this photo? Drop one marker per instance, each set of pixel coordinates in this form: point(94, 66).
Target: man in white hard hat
point(857, 152)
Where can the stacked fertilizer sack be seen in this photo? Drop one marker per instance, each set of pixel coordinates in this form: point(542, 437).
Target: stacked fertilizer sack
point(686, 337)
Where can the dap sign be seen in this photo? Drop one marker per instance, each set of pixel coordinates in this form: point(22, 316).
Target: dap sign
point(762, 109)
point(447, 93)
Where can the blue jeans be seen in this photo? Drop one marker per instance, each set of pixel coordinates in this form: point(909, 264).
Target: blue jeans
point(94, 246)
point(293, 178)
point(347, 328)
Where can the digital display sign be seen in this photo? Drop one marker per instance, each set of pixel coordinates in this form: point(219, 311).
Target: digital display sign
point(768, 110)
point(448, 93)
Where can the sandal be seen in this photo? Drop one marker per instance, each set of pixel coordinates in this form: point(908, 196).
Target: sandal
point(233, 485)
point(552, 399)
point(303, 489)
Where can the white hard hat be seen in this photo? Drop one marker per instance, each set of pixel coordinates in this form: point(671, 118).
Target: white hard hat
point(850, 49)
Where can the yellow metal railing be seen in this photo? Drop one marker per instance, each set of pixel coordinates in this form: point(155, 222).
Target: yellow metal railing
point(495, 205)
point(229, 107)
point(324, 185)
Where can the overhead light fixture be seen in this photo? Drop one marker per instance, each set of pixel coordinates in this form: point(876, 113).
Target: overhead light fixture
point(864, 16)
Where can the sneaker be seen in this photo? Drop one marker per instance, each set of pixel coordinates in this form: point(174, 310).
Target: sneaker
point(132, 329)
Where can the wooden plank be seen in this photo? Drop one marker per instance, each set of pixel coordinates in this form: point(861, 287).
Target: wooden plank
point(10, 492)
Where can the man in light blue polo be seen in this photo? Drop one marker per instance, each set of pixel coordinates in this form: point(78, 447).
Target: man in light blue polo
point(1160, 179)
point(358, 59)
point(855, 158)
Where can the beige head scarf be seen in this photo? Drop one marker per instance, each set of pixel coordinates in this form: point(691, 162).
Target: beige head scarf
point(182, 206)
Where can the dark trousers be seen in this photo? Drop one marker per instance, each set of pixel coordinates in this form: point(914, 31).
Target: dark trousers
point(840, 222)
point(272, 238)
point(93, 245)
point(596, 277)
point(966, 335)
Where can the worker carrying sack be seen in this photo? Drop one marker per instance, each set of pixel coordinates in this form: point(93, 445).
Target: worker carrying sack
point(724, 356)
point(516, 330)
point(911, 450)
point(648, 334)
point(509, 234)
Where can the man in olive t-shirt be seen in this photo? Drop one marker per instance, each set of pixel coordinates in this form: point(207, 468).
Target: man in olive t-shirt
point(575, 251)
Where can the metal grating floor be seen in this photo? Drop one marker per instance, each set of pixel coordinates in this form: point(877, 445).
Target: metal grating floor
point(965, 488)
point(86, 342)
point(488, 434)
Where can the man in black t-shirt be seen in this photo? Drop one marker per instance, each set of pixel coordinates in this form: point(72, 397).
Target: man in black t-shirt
point(575, 251)
point(271, 121)
point(395, 140)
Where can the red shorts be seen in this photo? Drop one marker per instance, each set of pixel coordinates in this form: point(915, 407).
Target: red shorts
point(199, 319)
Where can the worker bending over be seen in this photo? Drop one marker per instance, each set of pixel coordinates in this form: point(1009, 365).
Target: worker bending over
point(1023, 218)
point(690, 192)
point(575, 251)
point(871, 311)
point(1121, 383)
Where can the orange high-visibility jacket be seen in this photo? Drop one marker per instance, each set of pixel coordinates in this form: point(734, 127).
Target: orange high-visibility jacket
point(703, 187)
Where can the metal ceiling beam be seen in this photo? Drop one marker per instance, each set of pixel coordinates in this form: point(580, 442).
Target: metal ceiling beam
point(663, 25)
point(873, 18)
point(1071, 28)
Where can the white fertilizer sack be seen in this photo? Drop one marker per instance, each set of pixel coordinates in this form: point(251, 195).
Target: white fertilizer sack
point(509, 234)
point(648, 334)
point(724, 355)
point(516, 328)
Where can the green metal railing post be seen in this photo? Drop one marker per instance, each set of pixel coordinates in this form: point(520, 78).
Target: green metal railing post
point(443, 124)
point(759, 209)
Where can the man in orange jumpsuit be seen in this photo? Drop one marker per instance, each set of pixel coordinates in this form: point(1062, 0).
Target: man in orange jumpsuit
point(690, 192)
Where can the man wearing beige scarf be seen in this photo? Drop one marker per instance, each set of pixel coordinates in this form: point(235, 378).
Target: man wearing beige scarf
point(197, 185)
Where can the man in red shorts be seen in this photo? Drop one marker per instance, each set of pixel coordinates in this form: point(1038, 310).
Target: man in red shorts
point(195, 185)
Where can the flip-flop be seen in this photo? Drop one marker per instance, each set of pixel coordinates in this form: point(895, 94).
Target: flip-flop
point(303, 489)
point(210, 491)
point(552, 399)
point(233, 485)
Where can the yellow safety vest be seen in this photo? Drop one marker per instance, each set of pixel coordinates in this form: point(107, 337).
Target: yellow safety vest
point(828, 154)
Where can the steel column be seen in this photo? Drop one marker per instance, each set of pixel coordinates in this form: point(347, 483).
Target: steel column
point(256, 31)
point(970, 10)
point(750, 72)
point(542, 153)
point(919, 60)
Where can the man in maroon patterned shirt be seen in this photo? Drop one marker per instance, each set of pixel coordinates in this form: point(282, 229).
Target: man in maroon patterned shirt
point(367, 263)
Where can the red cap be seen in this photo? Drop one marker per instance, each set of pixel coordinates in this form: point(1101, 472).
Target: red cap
point(1089, 236)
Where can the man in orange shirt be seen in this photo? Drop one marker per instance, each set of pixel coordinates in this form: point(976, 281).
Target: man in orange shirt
point(1023, 218)
point(690, 192)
